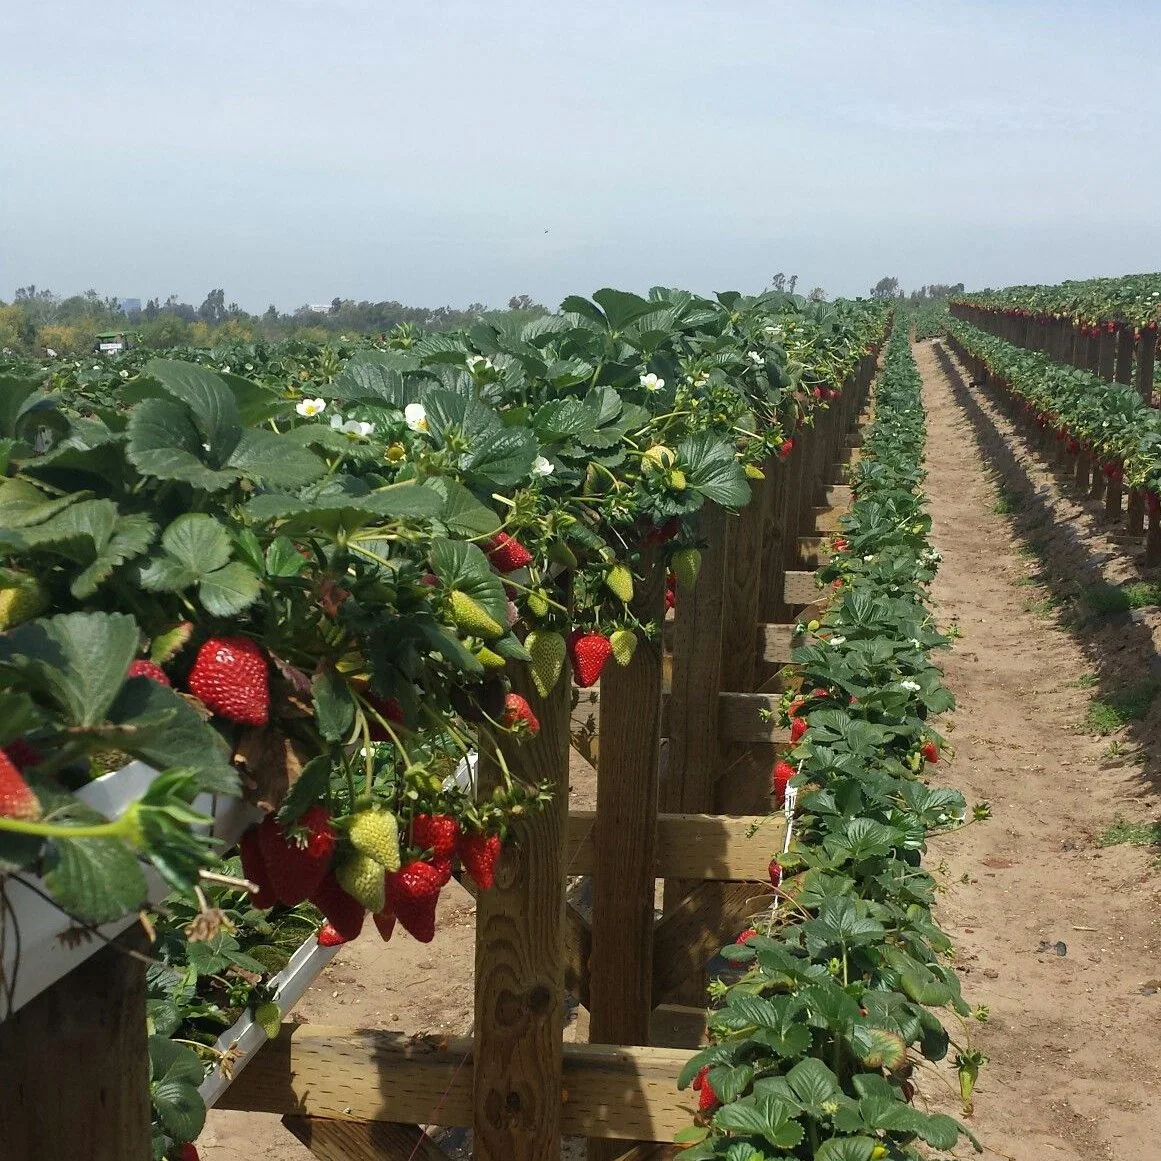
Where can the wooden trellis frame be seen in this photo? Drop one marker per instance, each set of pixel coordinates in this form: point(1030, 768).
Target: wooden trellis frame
point(685, 812)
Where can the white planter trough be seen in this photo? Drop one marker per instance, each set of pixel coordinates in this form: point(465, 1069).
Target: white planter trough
point(246, 1036)
point(37, 942)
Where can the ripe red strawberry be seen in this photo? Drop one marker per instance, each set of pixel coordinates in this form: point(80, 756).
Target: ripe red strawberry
point(254, 868)
point(297, 861)
point(775, 872)
point(662, 532)
point(189, 1152)
point(16, 797)
point(749, 933)
point(518, 715)
point(785, 449)
point(385, 922)
point(670, 590)
point(150, 669)
point(388, 708)
point(589, 653)
point(329, 937)
point(840, 544)
point(507, 554)
point(930, 751)
point(437, 833)
point(707, 1098)
point(798, 727)
point(443, 867)
point(231, 677)
point(795, 706)
point(480, 853)
point(412, 893)
point(783, 772)
point(23, 754)
point(343, 913)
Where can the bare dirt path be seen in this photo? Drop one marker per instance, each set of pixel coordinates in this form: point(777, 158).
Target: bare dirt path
point(1056, 934)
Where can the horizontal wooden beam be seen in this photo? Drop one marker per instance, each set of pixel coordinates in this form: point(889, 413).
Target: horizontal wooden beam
point(800, 588)
point(608, 1091)
point(740, 717)
point(733, 848)
point(330, 1140)
point(828, 519)
point(677, 1026)
point(838, 496)
point(777, 642)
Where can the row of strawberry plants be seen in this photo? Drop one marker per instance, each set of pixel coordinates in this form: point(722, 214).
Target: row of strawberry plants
point(1108, 421)
point(838, 989)
point(317, 585)
point(1133, 301)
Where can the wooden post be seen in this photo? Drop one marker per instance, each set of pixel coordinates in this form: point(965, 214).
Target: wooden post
point(621, 964)
point(519, 1001)
point(1106, 353)
point(1126, 346)
point(1112, 498)
point(1135, 512)
point(1153, 541)
point(1146, 352)
point(692, 766)
point(1083, 463)
point(74, 1065)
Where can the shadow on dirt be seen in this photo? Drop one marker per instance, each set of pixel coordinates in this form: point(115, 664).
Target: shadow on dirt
point(1084, 571)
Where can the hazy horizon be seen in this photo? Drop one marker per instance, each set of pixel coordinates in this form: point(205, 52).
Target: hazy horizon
point(296, 151)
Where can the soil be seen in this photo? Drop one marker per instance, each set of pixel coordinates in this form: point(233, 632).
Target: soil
point(1056, 933)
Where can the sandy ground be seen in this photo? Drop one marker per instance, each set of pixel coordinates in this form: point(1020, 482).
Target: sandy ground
point(1056, 934)
point(1073, 1070)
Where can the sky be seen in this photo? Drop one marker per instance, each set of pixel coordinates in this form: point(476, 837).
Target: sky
point(465, 151)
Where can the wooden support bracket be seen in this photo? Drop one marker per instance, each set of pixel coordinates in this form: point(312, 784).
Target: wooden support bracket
point(347, 1074)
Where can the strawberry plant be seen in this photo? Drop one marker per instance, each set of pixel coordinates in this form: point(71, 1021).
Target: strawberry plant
point(813, 1045)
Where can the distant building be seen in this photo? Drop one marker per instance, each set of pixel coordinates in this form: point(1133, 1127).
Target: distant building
point(319, 307)
point(129, 305)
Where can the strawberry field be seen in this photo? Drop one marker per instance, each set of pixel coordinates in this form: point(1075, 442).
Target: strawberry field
point(290, 637)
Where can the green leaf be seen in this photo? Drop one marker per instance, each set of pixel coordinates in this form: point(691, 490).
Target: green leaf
point(813, 1084)
point(712, 470)
point(846, 1149)
point(372, 375)
point(275, 460)
point(98, 879)
point(229, 590)
point(78, 659)
point(283, 559)
point(334, 707)
point(163, 442)
point(464, 567)
point(198, 542)
point(621, 307)
point(308, 788)
point(174, 1078)
point(462, 514)
point(208, 398)
point(762, 1116)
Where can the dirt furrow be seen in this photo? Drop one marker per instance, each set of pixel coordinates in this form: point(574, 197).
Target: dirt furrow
point(1056, 932)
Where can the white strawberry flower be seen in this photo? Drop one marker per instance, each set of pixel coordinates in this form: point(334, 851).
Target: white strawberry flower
point(416, 416)
point(309, 408)
point(542, 466)
point(910, 686)
point(479, 363)
point(756, 358)
point(652, 382)
point(50, 352)
point(838, 640)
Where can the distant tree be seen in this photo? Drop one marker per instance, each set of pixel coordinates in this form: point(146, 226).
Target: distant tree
point(885, 288)
point(213, 310)
point(792, 283)
point(523, 302)
point(778, 282)
point(817, 295)
point(151, 311)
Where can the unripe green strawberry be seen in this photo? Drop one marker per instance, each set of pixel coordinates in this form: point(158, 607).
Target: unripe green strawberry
point(268, 1017)
point(538, 603)
point(659, 456)
point(624, 643)
point(471, 619)
point(677, 480)
point(363, 879)
point(489, 658)
point(619, 581)
point(547, 650)
point(686, 564)
point(21, 602)
point(375, 833)
point(753, 472)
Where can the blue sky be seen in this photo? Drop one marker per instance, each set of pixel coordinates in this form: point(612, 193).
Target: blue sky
point(456, 151)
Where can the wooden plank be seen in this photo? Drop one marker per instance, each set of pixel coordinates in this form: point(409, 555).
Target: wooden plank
point(331, 1140)
point(342, 1073)
point(778, 642)
point(690, 935)
point(828, 519)
point(838, 496)
point(813, 551)
point(1126, 344)
point(801, 588)
point(1146, 354)
point(691, 846)
point(74, 1064)
point(677, 1026)
point(745, 542)
point(739, 717)
point(630, 727)
point(519, 1002)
